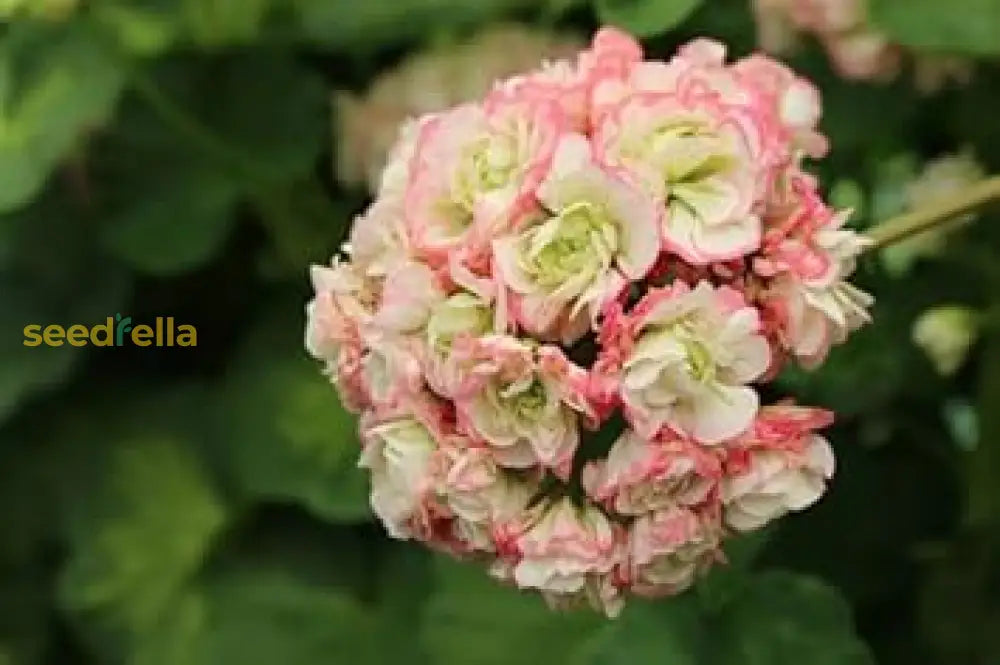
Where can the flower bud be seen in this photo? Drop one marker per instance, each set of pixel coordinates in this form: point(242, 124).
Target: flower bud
point(946, 334)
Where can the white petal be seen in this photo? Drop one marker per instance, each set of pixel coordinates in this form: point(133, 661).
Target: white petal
point(722, 412)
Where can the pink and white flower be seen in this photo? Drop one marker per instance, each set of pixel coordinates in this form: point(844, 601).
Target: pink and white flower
point(669, 549)
point(518, 405)
point(481, 495)
point(597, 234)
point(400, 456)
point(700, 160)
point(474, 173)
point(566, 552)
point(641, 476)
point(810, 258)
point(781, 465)
point(343, 306)
point(693, 354)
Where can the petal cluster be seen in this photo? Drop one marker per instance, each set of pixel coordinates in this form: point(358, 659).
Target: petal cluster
point(555, 317)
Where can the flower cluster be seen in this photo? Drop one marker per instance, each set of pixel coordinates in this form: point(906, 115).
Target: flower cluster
point(857, 49)
point(553, 317)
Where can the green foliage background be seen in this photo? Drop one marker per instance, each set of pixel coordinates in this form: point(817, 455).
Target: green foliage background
point(202, 506)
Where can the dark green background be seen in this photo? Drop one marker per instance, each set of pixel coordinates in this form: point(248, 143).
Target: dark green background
point(202, 506)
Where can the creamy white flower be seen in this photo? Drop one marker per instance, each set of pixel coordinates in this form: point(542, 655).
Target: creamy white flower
point(409, 294)
point(378, 239)
point(345, 300)
point(398, 454)
point(946, 333)
point(690, 364)
point(775, 483)
point(598, 234)
point(526, 421)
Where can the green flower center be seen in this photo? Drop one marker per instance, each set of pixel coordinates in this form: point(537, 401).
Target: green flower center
point(699, 360)
point(460, 314)
point(525, 400)
point(579, 240)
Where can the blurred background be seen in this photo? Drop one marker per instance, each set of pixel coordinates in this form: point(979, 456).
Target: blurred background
point(202, 506)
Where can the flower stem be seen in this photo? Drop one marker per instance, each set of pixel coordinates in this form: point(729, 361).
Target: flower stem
point(941, 213)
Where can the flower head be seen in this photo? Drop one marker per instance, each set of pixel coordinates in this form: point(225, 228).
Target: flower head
point(554, 317)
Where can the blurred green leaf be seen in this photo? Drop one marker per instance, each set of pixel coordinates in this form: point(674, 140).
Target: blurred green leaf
point(141, 27)
point(472, 620)
point(645, 18)
point(262, 617)
point(179, 216)
point(404, 584)
point(284, 433)
point(82, 286)
point(958, 608)
point(146, 534)
point(667, 631)
point(726, 581)
point(368, 25)
point(774, 619)
point(783, 618)
point(248, 128)
point(151, 27)
point(958, 26)
point(225, 22)
point(24, 607)
point(983, 463)
point(56, 83)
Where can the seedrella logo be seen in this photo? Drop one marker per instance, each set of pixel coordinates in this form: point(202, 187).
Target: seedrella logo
point(115, 331)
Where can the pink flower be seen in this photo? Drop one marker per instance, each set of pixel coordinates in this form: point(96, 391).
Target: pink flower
point(694, 351)
point(781, 465)
point(669, 548)
point(482, 495)
point(400, 455)
point(793, 100)
point(519, 406)
point(343, 305)
point(698, 158)
point(809, 257)
point(565, 552)
point(474, 173)
point(641, 476)
point(597, 234)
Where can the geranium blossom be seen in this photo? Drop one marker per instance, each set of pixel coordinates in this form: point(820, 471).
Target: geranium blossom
point(694, 352)
point(597, 233)
point(557, 314)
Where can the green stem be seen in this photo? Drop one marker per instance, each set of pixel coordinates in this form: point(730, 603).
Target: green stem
point(933, 216)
